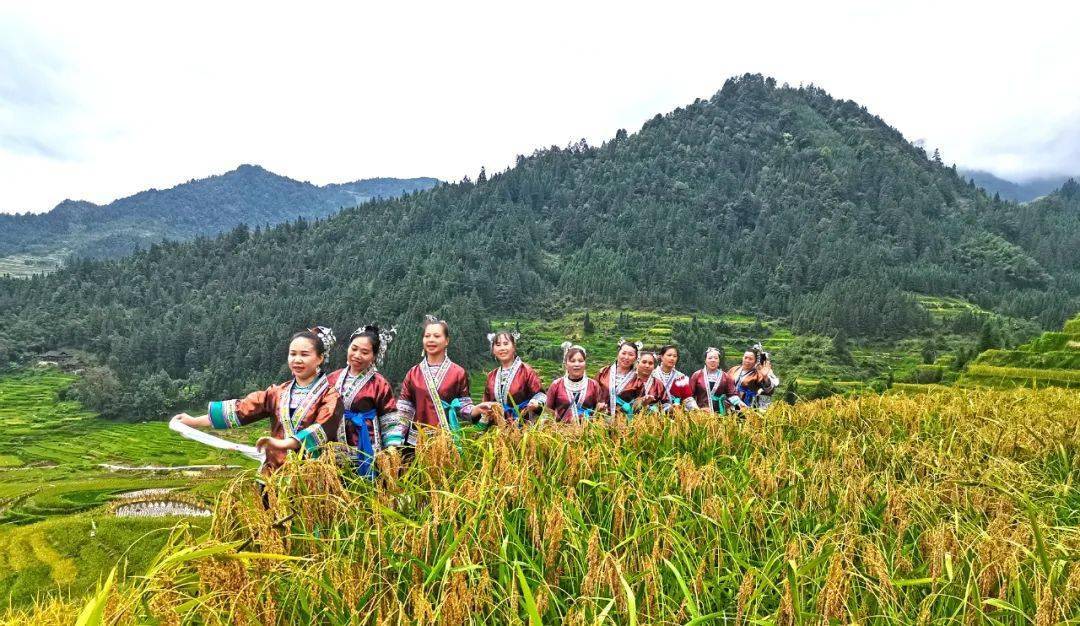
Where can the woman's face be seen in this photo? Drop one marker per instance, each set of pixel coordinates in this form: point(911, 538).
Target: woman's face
point(575, 365)
point(748, 360)
point(670, 359)
point(303, 361)
point(361, 354)
point(645, 365)
point(627, 356)
point(503, 349)
point(435, 340)
point(712, 360)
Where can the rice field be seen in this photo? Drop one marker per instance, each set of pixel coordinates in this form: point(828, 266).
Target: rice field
point(955, 506)
point(58, 535)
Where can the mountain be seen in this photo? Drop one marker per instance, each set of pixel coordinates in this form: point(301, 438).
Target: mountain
point(247, 195)
point(1009, 190)
point(761, 199)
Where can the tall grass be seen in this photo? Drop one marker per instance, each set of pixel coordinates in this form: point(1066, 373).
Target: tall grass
point(952, 507)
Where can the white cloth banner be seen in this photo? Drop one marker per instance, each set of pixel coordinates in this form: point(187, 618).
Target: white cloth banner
point(215, 442)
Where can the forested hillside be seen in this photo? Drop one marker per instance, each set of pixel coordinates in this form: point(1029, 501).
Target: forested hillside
point(208, 206)
point(761, 198)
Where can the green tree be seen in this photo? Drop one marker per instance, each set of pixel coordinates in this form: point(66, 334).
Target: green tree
point(840, 348)
point(98, 389)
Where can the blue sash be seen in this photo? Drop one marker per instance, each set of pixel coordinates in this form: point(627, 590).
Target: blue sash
point(451, 409)
point(746, 395)
point(626, 407)
point(365, 451)
point(514, 411)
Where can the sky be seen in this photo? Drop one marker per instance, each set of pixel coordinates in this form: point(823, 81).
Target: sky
point(102, 100)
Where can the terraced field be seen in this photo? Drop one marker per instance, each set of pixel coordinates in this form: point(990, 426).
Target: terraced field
point(1052, 359)
point(23, 265)
point(57, 532)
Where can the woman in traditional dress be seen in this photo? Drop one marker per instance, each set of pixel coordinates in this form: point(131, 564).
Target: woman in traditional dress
point(713, 389)
point(653, 396)
point(435, 392)
point(623, 387)
point(573, 396)
point(754, 379)
point(305, 411)
point(676, 384)
point(371, 421)
point(513, 385)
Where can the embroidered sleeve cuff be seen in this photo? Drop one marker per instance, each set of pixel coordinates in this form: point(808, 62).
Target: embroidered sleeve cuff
point(223, 414)
point(406, 408)
point(312, 438)
point(392, 428)
point(466, 407)
point(540, 397)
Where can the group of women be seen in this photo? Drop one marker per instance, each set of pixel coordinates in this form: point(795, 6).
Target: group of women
point(356, 405)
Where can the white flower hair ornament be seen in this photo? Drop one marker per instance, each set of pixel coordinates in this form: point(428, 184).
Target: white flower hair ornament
point(569, 345)
point(386, 337)
point(491, 336)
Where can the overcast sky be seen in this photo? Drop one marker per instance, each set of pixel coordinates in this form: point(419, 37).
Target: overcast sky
point(101, 100)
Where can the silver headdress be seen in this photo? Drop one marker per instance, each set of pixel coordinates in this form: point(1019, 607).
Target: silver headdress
point(624, 342)
point(326, 336)
point(712, 349)
point(569, 345)
point(385, 338)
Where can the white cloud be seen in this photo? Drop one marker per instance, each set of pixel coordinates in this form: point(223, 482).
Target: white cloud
point(99, 101)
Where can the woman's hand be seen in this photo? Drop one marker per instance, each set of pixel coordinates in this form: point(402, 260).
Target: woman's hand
point(265, 444)
point(534, 406)
point(203, 421)
point(485, 408)
point(601, 407)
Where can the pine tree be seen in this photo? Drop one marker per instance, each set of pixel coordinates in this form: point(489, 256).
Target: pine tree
point(987, 338)
point(840, 348)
